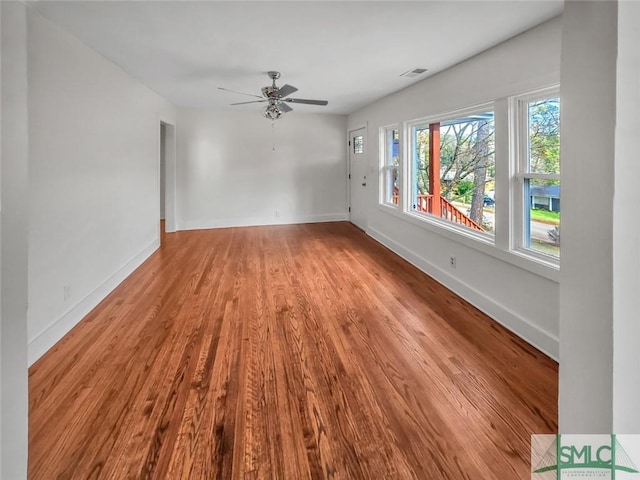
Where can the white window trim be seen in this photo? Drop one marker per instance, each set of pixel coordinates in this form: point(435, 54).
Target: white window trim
point(386, 167)
point(518, 124)
point(452, 114)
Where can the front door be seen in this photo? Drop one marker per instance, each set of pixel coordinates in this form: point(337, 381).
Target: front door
point(358, 178)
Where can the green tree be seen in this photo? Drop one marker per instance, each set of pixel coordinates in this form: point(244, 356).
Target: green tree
point(544, 137)
point(463, 190)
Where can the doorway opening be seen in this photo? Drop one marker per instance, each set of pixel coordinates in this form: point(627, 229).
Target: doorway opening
point(167, 178)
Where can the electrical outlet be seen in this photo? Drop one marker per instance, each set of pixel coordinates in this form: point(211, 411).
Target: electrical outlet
point(452, 261)
point(66, 292)
point(277, 213)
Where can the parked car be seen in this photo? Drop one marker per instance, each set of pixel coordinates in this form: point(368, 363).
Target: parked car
point(488, 201)
point(554, 235)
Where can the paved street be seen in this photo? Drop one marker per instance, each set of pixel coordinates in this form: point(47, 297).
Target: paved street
point(539, 231)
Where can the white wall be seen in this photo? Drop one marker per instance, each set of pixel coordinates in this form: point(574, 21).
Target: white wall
point(229, 174)
point(13, 253)
point(1, 411)
point(626, 230)
point(94, 139)
point(586, 284)
point(491, 279)
point(600, 279)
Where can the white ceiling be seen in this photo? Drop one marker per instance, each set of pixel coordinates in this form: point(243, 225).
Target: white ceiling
point(349, 53)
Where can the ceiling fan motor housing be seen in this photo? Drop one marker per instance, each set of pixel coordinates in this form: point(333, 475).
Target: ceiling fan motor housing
point(270, 91)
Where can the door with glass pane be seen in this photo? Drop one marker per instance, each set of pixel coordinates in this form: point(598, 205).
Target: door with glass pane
point(358, 178)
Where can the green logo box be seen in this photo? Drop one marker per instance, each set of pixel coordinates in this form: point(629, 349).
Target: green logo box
point(588, 457)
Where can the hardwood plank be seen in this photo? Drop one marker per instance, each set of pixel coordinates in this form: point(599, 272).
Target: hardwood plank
point(286, 352)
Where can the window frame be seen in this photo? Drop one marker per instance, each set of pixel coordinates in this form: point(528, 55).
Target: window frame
point(502, 244)
point(387, 167)
point(520, 174)
point(408, 165)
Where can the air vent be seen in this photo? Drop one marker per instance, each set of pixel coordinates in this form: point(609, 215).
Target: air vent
point(414, 73)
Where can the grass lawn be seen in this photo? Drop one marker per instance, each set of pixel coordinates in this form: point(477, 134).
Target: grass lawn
point(545, 247)
point(545, 216)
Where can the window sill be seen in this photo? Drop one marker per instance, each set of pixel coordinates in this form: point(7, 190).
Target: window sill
point(478, 241)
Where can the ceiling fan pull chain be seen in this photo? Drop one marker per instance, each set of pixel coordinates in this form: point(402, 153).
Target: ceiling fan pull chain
point(273, 135)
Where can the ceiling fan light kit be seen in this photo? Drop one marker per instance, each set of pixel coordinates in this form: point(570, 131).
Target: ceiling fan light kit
point(272, 112)
point(276, 97)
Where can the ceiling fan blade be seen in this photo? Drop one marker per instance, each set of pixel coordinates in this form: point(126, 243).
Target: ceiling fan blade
point(284, 107)
point(241, 93)
point(252, 101)
point(286, 90)
point(304, 100)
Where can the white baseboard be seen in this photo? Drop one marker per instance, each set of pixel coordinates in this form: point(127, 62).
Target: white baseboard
point(539, 338)
point(261, 221)
point(60, 327)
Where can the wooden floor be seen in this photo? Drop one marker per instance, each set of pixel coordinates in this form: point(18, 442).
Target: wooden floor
point(286, 352)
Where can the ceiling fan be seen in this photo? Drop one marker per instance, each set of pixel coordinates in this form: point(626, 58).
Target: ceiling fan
point(277, 98)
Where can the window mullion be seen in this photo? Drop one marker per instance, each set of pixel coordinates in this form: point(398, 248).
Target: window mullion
point(503, 174)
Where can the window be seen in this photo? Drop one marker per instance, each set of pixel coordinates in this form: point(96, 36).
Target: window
point(390, 166)
point(538, 173)
point(443, 173)
point(358, 144)
point(453, 170)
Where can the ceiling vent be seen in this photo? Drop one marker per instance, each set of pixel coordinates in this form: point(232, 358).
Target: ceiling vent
point(414, 73)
